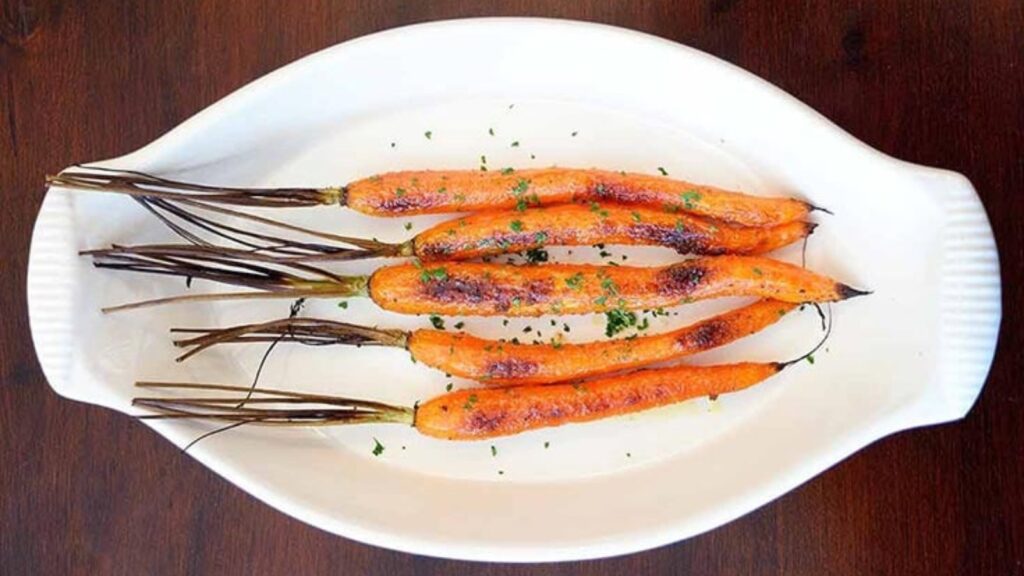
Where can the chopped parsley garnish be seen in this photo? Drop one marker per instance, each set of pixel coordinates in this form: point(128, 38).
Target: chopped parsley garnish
point(618, 320)
point(757, 271)
point(494, 451)
point(343, 304)
point(690, 197)
point(490, 131)
point(392, 144)
point(536, 255)
point(459, 325)
point(810, 358)
point(399, 192)
point(636, 216)
point(679, 226)
point(437, 321)
point(378, 448)
point(470, 402)
point(408, 225)
point(547, 444)
point(574, 134)
point(507, 171)
point(575, 281)
point(428, 134)
point(448, 387)
point(596, 208)
point(428, 274)
point(663, 171)
point(520, 188)
point(608, 285)
point(516, 225)
point(515, 144)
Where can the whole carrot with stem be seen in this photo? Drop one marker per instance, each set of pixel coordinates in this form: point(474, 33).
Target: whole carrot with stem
point(480, 289)
point(485, 234)
point(440, 191)
point(502, 363)
point(472, 414)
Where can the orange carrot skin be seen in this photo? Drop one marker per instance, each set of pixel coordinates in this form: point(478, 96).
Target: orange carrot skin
point(476, 414)
point(489, 233)
point(431, 192)
point(477, 289)
point(505, 364)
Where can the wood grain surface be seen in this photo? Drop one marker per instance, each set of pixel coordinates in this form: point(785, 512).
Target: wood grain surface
point(87, 491)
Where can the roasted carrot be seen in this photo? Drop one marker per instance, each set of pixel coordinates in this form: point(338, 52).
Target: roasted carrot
point(487, 413)
point(501, 363)
point(489, 233)
point(478, 289)
point(469, 414)
point(469, 289)
point(438, 191)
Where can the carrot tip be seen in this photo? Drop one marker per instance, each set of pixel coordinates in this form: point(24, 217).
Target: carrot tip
point(847, 292)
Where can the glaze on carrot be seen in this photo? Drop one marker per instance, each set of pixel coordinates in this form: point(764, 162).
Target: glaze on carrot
point(490, 233)
point(486, 413)
point(473, 289)
point(504, 363)
point(437, 191)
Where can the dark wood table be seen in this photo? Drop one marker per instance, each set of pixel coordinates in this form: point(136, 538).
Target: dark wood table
point(84, 490)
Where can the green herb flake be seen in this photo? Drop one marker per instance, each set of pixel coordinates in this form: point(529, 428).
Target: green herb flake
point(575, 281)
point(521, 187)
point(810, 358)
point(690, 198)
point(507, 171)
point(428, 134)
point(490, 131)
point(494, 451)
point(536, 255)
point(428, 274)
point(378, 448)
point(516, 225)
point(663, 171)
point(636, 216)
point(459, 325)
point(547, 445)
point(470, 402)
point(618, 320)
point(437, 321)
point(448, 387)
point(574, 134)
point(408, 225)
point(757, 271)
point(399, 192)
point(515, 144)
point(343, 304)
